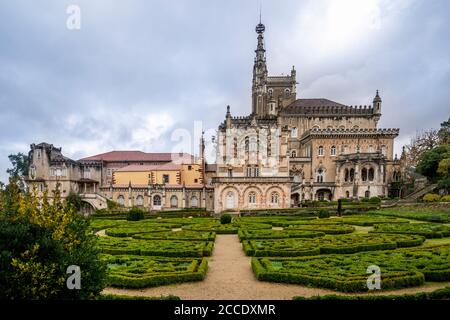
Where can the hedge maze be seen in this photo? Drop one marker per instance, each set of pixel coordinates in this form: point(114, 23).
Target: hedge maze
point(348, 272)
point(131, 271)
point(329, 253)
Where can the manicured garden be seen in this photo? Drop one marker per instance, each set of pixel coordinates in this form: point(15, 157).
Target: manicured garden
point(323, 252)
point(348, 272)
point(131, 271)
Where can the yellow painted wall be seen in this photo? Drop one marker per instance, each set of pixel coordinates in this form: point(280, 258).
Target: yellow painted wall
point(142, 177)
point(189, 176)
point(124, 177)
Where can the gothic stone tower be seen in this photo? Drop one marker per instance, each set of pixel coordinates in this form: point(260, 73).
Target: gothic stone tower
point(270, 94)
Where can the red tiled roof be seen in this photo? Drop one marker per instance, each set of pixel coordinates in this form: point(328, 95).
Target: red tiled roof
point(139, 168)
point(133, 156)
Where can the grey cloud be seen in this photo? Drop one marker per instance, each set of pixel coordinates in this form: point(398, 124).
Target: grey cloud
point(188, 59)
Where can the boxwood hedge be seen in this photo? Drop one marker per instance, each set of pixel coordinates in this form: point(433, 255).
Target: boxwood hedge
point(348, 273)
point(130, 271)
point(245, 234)
point(164, 248)
point(326, 228)
point(430, 213)
point(428, 230)
point(177, 235)
point(342, 244)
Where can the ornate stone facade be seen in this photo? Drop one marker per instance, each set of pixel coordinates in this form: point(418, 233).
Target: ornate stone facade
point(323, 150)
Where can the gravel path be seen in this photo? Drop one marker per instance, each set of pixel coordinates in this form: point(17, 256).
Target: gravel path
point(230, 277)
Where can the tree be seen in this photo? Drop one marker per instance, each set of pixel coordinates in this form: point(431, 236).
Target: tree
point(444, 132)
point(429, 161)
point(421, 143)
point(74, 199)
point(20, 163)
point(39, 240)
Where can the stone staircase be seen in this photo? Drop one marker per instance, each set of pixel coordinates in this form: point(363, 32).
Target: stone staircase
point(95, 200)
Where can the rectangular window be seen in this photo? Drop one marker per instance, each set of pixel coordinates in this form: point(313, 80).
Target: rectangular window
point(87, 173)
point(189, 168)
point(165, 178)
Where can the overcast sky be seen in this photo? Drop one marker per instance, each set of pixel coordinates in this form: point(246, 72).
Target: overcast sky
point(138, 70)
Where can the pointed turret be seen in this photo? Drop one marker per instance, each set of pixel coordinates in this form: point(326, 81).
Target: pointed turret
point(377, 104)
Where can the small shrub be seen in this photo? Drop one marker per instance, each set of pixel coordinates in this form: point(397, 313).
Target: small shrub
point(446, 198)
point(431, 197)
point(135, 214)
point(375, 200)
point(324, 214)
point(225, 219)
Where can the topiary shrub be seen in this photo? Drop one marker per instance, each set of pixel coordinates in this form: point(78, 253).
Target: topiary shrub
point(446, 198)
point(225, 219)
point(431, 197)
point(375, 200)
point(324, 214)
point(135, 214)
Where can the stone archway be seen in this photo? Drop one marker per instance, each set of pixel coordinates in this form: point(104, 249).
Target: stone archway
point(323, 195)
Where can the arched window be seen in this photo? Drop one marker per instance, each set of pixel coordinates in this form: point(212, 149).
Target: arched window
point(371, 174)
point(253, 144)
point(247, 144)
point(320, 175)
point(367, 194)
point(320, 151)
point(333, 150)
point(293, 154)
point(352, 174)
point(383, 150)
point(173, 202)
point(347, 194)
point(294, 132)
point(270, 91)
point(139, 200)
point(370, 149)
point(346, 175)
point(121, 200)
point(157, 200)
point(287, 92)
point(252, 198)
point(364, 174)
point(194, 201)
point(274, 197)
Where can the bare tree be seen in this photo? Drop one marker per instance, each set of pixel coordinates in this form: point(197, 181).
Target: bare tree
point(420, 143)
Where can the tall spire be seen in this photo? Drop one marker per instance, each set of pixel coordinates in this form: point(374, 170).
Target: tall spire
point(259, 70)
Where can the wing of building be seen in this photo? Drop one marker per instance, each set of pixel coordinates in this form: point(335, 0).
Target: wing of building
point(154, 181)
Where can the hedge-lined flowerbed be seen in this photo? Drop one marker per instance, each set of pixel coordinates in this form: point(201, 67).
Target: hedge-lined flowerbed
point(439, 294)
point(177, 235)
point(163, 248)
point(430, 213)
point(326, 228)
point(128, 271)
point(428, 230)
point(342, 244)
point(230, 228)
point(348, 273)
point(370, 220)
point(245, 234)
point(133, 230)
